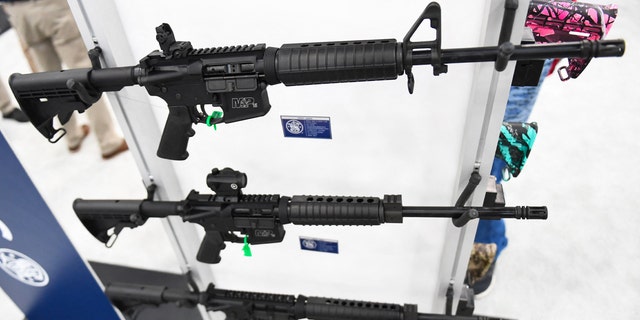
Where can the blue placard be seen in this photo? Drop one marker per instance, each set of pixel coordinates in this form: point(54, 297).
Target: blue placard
point(40, 269)
point(306, 127)
point(320, 245)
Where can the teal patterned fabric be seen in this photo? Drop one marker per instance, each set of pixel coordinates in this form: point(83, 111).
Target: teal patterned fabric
point(515, 143)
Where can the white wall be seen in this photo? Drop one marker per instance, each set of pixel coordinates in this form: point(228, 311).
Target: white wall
point(581, 263)
point(384, 141)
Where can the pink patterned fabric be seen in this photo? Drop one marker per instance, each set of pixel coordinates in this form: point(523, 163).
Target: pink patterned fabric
point(564, 20)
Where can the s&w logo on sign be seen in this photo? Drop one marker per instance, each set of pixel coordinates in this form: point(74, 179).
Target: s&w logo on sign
point(309, 244)
point(294, 126)
point(18, 265)
point(22, 268)
point(243, 103)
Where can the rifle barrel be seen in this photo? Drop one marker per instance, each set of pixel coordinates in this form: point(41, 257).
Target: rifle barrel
point(484, 212)
point(582, 49)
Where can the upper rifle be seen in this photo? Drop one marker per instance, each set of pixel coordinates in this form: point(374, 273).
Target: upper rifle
point(236, 78)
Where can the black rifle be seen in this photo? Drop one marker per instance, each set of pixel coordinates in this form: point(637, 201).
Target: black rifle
point(240, 305)
point(261, 217)
point(235, 78)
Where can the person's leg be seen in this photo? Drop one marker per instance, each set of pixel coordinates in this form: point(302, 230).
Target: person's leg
point(46, 59)
point(489, 241)
point(69, 46)
point(99, 114)
point(489, 230)
point(52, 37)
point(32, 23)
point(7, 109)
point(491, 237)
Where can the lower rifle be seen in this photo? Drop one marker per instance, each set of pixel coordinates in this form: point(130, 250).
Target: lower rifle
point(260, 218)
point(241, 305)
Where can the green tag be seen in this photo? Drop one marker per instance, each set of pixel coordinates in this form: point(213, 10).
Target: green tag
point(246, 248)
point(214, 115)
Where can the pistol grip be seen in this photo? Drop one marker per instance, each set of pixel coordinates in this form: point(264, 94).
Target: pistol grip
point(176, 134)
point(210, 247)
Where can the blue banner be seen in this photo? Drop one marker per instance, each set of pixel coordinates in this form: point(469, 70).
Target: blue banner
point(39, 267)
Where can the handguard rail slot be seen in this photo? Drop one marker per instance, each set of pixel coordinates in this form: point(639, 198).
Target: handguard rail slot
point(322, 210)
point(334, 62)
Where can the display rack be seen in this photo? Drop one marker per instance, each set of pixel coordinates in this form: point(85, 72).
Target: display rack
point(100, 24)
point(484, 117)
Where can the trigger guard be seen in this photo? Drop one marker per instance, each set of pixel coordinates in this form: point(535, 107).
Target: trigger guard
point(203, 113)
point(232, 237)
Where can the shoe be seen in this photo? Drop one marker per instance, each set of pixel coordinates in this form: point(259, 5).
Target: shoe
point(17, 115)
point(85, 133)
point(481, 266)
point(482, 286)
point(122, 148)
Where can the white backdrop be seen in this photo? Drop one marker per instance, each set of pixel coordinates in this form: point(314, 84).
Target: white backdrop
point(363, 158)
point(384, 141)
point(566, 267)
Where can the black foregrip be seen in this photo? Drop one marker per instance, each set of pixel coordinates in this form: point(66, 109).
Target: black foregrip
point(332, 62)
point(328, 210)
point(210, 247)
point(176, 134)
point(331, 309)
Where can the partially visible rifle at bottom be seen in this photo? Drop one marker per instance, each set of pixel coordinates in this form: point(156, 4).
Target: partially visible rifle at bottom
point(242, 305)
